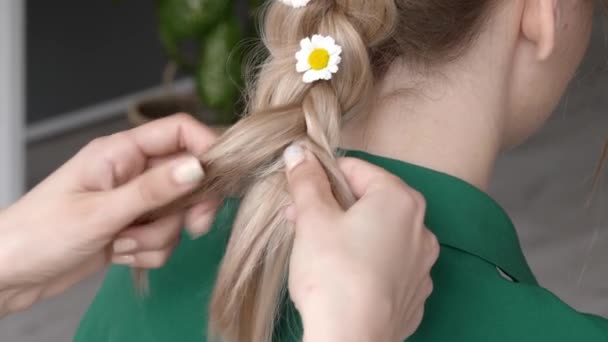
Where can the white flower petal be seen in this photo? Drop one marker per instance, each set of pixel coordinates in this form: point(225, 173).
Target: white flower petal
point(310, 76)
point(306, 44)
point(317, 41)
point(325, 75)
point(303, 55)
point(334, 49)
point(295, 3)
point(335, 59)
point(329, 41)
point(302, 66)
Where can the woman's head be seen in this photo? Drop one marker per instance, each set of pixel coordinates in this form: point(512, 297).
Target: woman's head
point(554, 37)
point(374, 35)
point(529, 48)
point(538, 44)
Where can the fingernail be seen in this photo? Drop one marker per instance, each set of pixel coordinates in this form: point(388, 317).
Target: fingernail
point(124, 260)
point(293, 156)
point(200, 227)
point(124, 245)
point(189, 172)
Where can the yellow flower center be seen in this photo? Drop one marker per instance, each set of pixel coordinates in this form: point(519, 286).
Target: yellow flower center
point(318, 59)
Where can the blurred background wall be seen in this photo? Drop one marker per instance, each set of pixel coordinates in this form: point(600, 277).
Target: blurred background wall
point(81, 53)
point(86, 61)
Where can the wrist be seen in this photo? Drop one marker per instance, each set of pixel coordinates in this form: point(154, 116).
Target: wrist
point(323, 326)
point(15, 295)
point(6, 250)
point(13, 251)
point(329, 321)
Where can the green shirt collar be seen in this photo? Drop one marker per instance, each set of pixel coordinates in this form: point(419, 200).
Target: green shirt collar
point(462, 216)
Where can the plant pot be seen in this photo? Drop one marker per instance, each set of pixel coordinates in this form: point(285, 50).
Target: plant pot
point(158, 107)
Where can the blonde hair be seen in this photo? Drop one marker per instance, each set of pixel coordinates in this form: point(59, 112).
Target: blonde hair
point(246, 161)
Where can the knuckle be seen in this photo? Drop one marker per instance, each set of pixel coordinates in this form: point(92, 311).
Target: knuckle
point(118, 138)
point(186, 120)
point(308, 189)
point(302, 172)
point(412, 323)
point(414, 199)
point(393, 182)
point(96, 145)
point(417, 318)
point(428, 287)
point(432, 248)
point(183, 118)
point(418, 199)
point(407, 201)
point(149, 194)
point(114, 152)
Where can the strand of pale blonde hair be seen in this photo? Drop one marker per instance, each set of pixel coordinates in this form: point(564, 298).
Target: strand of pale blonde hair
point(246, 162)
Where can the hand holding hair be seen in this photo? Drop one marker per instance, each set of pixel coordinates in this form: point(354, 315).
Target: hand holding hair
point(360, 274)
point(82, 217)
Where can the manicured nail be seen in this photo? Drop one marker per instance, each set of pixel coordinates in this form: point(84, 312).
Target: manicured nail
point(294, 155)
point(200, 227)
point(124, 245)
point(124, 260)
point(189, 172)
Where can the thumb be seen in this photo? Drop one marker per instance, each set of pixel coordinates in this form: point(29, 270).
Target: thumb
point(155, 188)
point(308, 184)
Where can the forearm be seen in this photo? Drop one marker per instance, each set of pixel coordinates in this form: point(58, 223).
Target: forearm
point(321, 329)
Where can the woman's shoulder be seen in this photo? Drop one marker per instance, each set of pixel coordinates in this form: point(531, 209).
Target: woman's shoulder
point(474, 300)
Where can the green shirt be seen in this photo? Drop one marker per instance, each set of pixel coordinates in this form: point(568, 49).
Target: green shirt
point(484, 289)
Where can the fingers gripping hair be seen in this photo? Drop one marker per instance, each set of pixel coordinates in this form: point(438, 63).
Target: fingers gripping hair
point(246, 161)
point(281, 109)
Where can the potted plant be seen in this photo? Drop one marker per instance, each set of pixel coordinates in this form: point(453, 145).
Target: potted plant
point(202, 38)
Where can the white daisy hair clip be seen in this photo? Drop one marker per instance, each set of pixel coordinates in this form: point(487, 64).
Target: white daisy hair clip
point(318, 58)
point(295, 3)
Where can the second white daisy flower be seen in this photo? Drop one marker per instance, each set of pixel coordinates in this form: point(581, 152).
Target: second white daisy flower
point(318, 58)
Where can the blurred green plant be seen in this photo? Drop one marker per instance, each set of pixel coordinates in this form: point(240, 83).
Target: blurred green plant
point(202, 37)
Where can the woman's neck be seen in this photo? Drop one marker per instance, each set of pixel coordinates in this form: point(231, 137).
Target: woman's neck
point(452, 122)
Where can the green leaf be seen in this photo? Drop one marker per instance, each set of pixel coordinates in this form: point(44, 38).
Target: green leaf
point(190, 18)
point(254, 4)
point(182, 22)
point(219, 74)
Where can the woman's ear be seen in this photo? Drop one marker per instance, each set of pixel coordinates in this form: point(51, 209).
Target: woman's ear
point(539, 25)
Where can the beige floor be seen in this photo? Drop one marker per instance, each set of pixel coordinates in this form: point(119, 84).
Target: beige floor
point(544, 185)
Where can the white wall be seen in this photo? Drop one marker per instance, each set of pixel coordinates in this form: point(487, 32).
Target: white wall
point(12, 114)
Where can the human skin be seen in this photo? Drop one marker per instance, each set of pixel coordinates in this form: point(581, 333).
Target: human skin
point(457, 117)
point(81, 218)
